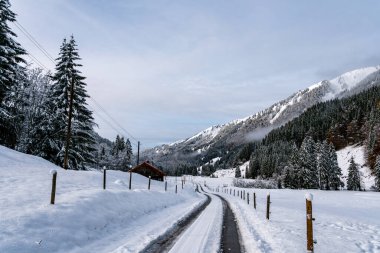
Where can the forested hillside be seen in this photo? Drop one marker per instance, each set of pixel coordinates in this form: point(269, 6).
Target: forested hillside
point(340, 122)
point(232, 143)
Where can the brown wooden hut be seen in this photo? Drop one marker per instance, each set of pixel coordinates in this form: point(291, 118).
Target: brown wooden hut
point(146, 169)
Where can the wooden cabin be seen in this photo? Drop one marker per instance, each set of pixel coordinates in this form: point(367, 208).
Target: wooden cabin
point(146, 169)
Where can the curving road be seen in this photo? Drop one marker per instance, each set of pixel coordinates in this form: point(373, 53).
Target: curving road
point(211, 228)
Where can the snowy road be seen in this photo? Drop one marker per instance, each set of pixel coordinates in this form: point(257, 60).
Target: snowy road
point(204, 234)
point(215, 230)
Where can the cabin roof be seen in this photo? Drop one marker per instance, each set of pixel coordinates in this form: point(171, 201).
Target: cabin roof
point(147, 165)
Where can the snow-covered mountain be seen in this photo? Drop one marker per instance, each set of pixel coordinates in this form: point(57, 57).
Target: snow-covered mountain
point(210, 142)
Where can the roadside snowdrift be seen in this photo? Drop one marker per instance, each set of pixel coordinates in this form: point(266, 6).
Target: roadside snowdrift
point(85, 218)
point(346, 221)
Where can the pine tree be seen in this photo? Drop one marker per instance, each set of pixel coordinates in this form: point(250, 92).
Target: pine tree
point(11, 71)
point(323, 166)
point(328, 169)
point(353, 180)
point(308, 164)
point(129, 151)
point(377, 173)
point(292, 172)
point(237, 172)
point(102, 153)
point(254, 168)
point(116, 146)
point(290, 177)
point(82, 136)
point(334, 171)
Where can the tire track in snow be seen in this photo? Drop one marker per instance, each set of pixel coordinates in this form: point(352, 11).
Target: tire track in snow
point(230, 233)
point(212, 228)
point(204, 235)
point(164, 242)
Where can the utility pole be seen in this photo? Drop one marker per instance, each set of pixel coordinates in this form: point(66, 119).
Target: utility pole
point(138, 153)
point(68, 136)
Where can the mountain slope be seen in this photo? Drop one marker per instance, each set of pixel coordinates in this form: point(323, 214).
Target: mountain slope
point(217, 140)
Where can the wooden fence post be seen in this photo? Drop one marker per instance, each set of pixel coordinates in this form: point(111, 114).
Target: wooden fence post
point(268, 206)
point(166, 185)
point(254, 200)
point(248, 198)
point(53, 186)
point(149, 183)
point(104, 177)
point(130, 180)
point(309, 222)
point(182, 184)
point(175, 189)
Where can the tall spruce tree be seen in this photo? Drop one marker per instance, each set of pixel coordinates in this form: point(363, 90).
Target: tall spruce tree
point(68, 76)
point(237, 172)
point(353, 180)
point(334, 170)
point(323, 166)
point(254, 168)
point(377, 173)
point(11, 54)
point(128, 150)
point(308, 164)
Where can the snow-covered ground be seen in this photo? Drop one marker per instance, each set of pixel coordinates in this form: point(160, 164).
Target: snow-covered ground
point(85, 218)
point(205, 233)
point(345, 221)
point(230, 173)
point(357, 152)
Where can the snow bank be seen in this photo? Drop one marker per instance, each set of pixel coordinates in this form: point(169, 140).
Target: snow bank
point(230, 173)
point(85, 218)
point(345, 221)
point(357, 152)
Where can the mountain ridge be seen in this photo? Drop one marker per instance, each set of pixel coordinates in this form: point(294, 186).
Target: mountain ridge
point(196, 149)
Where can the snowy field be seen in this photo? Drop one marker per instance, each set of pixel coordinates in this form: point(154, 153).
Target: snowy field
point(345, 221)
point(85, 218)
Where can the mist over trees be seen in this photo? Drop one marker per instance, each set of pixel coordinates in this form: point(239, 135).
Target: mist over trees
point(302, 152)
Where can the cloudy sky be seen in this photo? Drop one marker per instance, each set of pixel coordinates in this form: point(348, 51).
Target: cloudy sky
point(166, 70)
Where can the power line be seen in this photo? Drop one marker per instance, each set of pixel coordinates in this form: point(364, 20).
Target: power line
point(109, 124)
point(109, 116)
point(34, 41)
point(46, 53)
point(33, 58)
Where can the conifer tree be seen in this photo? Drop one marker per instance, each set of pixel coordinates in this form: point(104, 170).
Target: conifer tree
point(308, 164)
point(323, 166)
point(237, 172)
point(11, 54)
point(129, 151)
point(377, 173)
point(353, 180)
point(82, 136)
point(334, 171)
point(116, 146)
point(254, 168)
